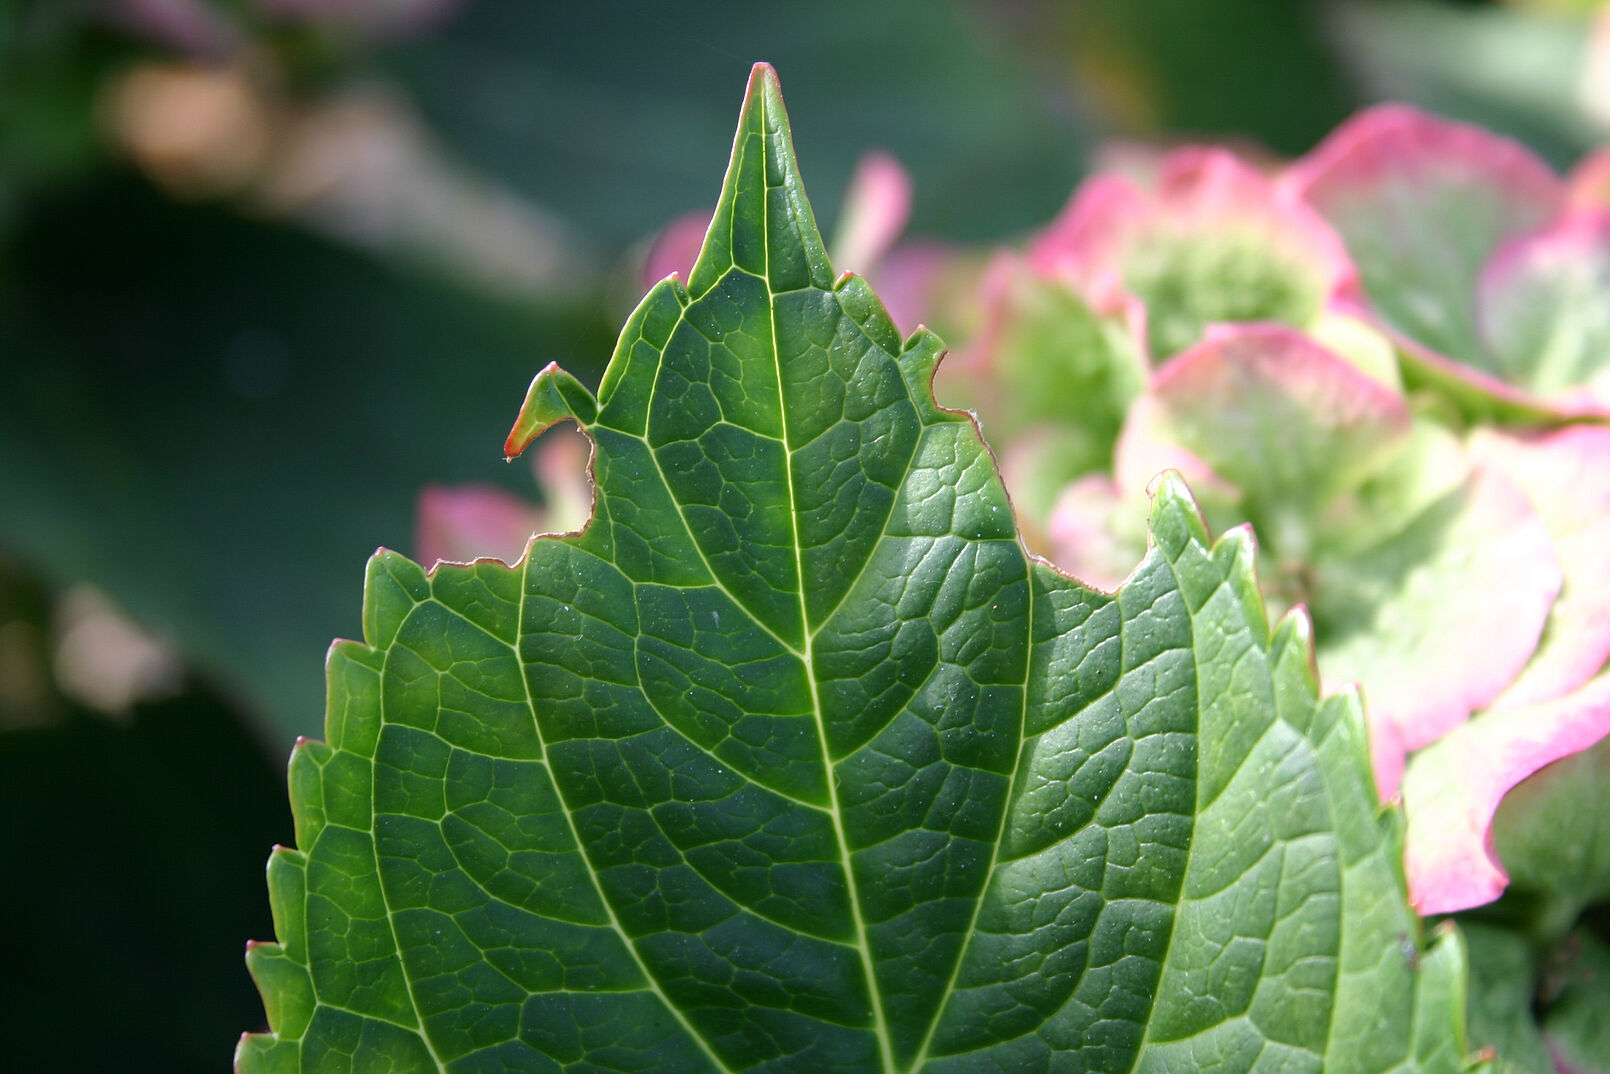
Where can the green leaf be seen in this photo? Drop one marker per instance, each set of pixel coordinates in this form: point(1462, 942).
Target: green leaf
point(1577, 1026)
point(1503, 991)
point(794, 759)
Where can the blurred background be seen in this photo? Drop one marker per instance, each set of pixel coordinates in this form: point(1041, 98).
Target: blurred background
point(268, 268)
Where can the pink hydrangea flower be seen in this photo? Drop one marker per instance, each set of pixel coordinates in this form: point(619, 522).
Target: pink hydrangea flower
point(1257, 332)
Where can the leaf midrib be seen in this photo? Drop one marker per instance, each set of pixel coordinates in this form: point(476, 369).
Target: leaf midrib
point(874, 994)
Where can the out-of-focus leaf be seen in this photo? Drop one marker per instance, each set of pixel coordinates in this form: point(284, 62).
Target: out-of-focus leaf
point(1577, 1027)
point(135, 837)
point(635, 101)
point(794, 759)
point(242, 393)
point(1507, 67)
point(1503, 991)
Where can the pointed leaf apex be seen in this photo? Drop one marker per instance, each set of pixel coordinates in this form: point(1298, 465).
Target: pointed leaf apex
point(767, 91)
point(1298, 624)
point(1175, 519)
point(554, 396)
point(763, 80)
point(1170, 495)
point(763, 223)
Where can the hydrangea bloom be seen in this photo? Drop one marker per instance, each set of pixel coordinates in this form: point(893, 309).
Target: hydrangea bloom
point(1367, 356)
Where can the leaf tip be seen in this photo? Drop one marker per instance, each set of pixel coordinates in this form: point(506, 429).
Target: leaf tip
point(554, 396)
point(1171, 498)
point(1241, 542)
point(1297, 625)
point(763, 83)
point(918, 361)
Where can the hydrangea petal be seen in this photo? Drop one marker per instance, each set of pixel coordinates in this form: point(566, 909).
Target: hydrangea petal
point(1566, 474)
point(1286, 420)
point(1214, 241)
point(1588, 184)
point(1480, 395)
point(1034, 465)
point(932, 284)
point(1552, 832)
point(1453, 787)
point(1422, 203)
point(460, 524)
point(876, 206)
point(676, 247)
point(1438, 618)
point(1148, 446)
point(1045, 360)
point(1093, 533)
point(463, 523)
point(1544, 307)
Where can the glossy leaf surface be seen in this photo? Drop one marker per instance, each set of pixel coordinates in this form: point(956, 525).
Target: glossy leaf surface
point(794, 760)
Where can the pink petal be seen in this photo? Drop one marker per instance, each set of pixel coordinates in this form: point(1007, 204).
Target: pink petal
point(1588, 184)
point(461, 524)
point(469, 522)
point(1461, 625)
point(1147, 447)
point(1033, 465)
point(1200, 191)
point(1112, 228)
point(1278, 414)
point(876, 207)
point(1566, 475)
point(1544, 306)
point(1422, 203)
point(676, 247)
point(911, 280)
point(561, 466)
point(1097, 534)
point(1143, 162)
point(1452, 789)
point(1483, 392)
point(1088, 236)
point(1394, 147)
